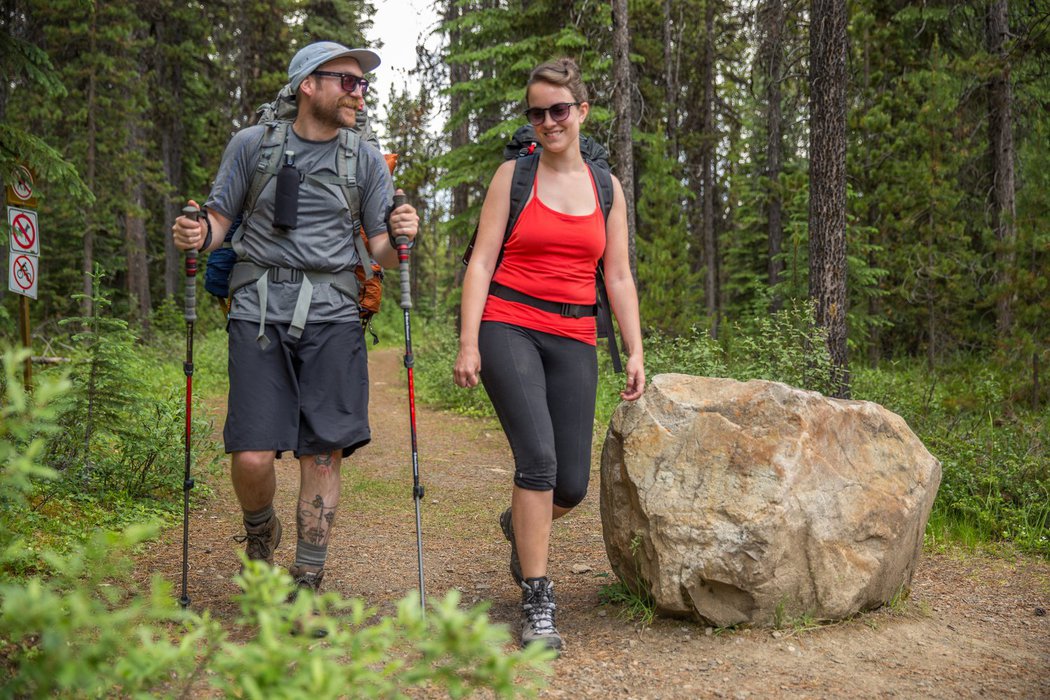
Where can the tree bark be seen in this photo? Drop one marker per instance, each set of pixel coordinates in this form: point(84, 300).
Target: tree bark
point(672, 47)
point(827, 189)
point(623, 89)
point(1001, 141)
point(87, 304)
point(458, 73)
point(772, 53)
point(135, 237)
point(707, 166)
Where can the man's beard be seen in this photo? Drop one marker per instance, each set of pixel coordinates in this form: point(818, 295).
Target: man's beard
point(333, 116)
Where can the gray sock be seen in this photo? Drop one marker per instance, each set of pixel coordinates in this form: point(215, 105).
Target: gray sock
point(310, 555)
point(258, 517)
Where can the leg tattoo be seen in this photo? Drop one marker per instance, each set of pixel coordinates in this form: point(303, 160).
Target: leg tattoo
point(315, 521)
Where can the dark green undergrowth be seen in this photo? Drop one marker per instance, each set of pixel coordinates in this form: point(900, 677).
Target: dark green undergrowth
point(994, 451)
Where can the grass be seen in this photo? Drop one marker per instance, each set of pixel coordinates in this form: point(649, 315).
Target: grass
point(636, 603)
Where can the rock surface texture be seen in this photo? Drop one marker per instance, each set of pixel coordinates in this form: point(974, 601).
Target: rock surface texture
point(758, 503)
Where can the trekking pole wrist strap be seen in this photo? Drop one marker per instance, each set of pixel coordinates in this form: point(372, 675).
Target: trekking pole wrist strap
point(207, 236)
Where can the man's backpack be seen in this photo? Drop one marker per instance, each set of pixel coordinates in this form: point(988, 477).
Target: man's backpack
point(278, 116)
point(525, 150)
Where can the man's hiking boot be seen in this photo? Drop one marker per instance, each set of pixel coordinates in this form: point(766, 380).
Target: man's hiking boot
point(507, 525)
point(305, 579)
point(537, 608)
point(261, 540)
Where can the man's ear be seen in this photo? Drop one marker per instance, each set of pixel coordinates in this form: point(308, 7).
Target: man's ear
point(308, 85)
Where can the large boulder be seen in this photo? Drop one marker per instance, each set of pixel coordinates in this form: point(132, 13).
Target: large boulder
point(752, 503)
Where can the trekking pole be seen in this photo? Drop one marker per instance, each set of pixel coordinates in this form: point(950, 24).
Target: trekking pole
point(187, 367)
point(406, 305)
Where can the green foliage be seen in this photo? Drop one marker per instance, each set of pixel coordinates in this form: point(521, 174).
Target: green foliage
point(83, 628)
point(635, 602)
point(119, 433)
point(668, 290)
point(995, 458)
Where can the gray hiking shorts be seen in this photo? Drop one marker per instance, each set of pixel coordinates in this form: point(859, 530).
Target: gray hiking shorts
point(308, 395)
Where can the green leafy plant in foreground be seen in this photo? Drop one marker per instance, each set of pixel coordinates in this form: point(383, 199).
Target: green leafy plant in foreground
point(82, 627)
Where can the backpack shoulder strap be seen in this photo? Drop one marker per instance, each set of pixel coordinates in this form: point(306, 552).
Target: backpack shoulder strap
point(270, 148)
point(346, 167)
point(273, 143)
point(520, 188)
point(603, 179)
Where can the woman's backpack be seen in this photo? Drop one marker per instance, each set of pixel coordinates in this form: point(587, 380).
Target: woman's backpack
point(525, 150)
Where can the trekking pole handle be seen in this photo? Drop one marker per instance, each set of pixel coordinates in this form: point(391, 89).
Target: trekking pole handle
point(402, 259)
point(190, 311)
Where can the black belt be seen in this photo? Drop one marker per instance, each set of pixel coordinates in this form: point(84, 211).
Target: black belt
point(555, 307)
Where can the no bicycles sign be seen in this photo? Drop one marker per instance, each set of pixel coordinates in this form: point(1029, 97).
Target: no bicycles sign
point(22, 274)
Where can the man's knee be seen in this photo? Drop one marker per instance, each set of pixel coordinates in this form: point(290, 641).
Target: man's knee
point(252, 462)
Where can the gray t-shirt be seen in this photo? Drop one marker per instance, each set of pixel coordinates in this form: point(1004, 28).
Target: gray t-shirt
point(322, 240)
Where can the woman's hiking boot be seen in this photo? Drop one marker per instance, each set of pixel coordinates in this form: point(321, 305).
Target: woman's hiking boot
point(537, 608)
point(261, 540)
point(507, 525)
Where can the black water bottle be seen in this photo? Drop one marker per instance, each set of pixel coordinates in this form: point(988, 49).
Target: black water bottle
point(286, 196)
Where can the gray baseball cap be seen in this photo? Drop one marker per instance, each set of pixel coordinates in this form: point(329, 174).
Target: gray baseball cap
point(313, 56)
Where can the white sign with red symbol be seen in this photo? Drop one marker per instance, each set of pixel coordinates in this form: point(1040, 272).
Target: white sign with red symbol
point(22, 274)
point(23, 187)
point(20, 193)
point(25, 234)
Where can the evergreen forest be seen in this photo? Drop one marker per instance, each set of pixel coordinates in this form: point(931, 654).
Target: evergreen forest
point(852, 197)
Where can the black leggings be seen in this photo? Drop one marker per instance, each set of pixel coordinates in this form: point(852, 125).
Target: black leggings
point(543, 388)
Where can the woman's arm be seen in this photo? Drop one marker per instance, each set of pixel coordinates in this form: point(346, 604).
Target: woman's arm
point(623, 297)
point(491, 227)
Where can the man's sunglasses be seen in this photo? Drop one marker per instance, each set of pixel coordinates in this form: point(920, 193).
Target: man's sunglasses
point(559, 112)
point(348, 81)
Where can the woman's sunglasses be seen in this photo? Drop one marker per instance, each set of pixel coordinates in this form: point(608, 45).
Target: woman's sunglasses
point(559, 112)
point(348, 81)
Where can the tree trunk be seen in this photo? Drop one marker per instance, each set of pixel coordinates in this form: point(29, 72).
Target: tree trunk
point(672, 47)
point(623, 89)
point(772, 52)
point(458, 74)
point(1001, 141)
point(827, 189)
point(135, 237)
point(707, 166)
point(88, 269)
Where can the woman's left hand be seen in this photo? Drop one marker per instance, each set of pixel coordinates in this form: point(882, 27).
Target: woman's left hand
point(635, 379)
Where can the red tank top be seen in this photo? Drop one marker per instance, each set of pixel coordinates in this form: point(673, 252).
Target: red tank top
point(552, 256)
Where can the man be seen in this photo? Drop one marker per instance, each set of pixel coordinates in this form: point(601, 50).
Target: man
point(293, 385)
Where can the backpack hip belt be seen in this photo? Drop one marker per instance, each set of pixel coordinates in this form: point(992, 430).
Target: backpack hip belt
point(555, 307)
point(245, 273)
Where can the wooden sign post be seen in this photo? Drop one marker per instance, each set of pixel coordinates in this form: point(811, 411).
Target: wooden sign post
point(23, 255)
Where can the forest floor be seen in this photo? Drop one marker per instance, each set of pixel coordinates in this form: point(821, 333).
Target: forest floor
point(974, 625)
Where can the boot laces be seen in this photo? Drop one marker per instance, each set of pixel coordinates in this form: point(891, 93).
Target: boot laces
point(539, 609)
point(259, 540)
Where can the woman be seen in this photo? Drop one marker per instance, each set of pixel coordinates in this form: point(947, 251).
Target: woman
point(540, 368)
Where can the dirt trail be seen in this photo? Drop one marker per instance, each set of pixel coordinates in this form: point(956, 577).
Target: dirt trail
point(972, 627)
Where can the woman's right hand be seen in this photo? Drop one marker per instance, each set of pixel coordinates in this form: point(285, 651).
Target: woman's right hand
point(468, 367)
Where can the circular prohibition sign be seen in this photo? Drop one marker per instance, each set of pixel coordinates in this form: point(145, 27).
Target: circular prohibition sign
point(23, 272)
point(23, 225)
